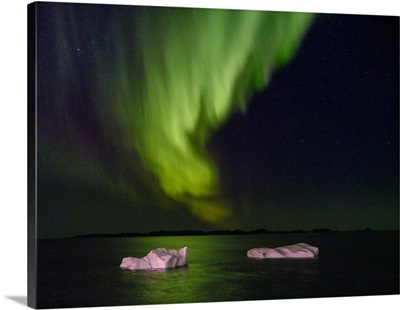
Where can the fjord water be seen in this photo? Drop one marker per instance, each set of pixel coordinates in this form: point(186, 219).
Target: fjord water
point(86, 272)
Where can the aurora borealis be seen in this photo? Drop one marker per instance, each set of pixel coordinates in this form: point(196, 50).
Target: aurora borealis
point(192, 77)
point(172, 118)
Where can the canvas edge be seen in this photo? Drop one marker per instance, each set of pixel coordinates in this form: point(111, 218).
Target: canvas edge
point(32, 168)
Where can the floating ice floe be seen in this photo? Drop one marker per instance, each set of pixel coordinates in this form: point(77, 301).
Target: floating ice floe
point(299, 250)
point(157, 259)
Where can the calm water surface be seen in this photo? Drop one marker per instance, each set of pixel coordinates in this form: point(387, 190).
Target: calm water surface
point(85, 272)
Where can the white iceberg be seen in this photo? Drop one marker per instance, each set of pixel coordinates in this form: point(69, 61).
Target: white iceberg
point(160, 258)
point(299, 250)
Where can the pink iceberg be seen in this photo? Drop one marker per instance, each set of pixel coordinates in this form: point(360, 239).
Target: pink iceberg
point(299, 250)
point(160, 258)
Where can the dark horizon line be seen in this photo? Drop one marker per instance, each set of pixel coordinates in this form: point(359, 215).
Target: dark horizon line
point(262, 231)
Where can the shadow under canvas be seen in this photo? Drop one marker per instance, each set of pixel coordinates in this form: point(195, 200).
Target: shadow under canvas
point(23, 300)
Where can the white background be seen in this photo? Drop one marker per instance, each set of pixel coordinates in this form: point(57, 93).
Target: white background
point(13, 150)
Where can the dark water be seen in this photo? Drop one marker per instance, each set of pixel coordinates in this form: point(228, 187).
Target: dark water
point(85, 272)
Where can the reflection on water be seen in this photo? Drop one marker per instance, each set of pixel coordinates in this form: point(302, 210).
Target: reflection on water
point(85, 272)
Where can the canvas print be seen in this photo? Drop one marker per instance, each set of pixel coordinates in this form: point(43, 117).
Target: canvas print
point(183, 155)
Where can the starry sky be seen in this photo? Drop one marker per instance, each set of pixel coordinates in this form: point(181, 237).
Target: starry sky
point(172, 119)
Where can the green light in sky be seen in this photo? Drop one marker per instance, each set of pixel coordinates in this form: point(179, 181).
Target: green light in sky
point(188, 71)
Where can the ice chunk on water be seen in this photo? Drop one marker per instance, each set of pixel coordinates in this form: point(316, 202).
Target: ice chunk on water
point(299, 250)
point(160, 258)
point(183, 259)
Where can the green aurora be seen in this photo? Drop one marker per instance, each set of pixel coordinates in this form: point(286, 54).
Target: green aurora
point(130, 99)
point(192, 70)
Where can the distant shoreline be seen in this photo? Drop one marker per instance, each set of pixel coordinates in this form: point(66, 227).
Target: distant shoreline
point(171, 233)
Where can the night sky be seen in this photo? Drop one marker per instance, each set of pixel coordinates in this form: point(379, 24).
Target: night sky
point(175, 119)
